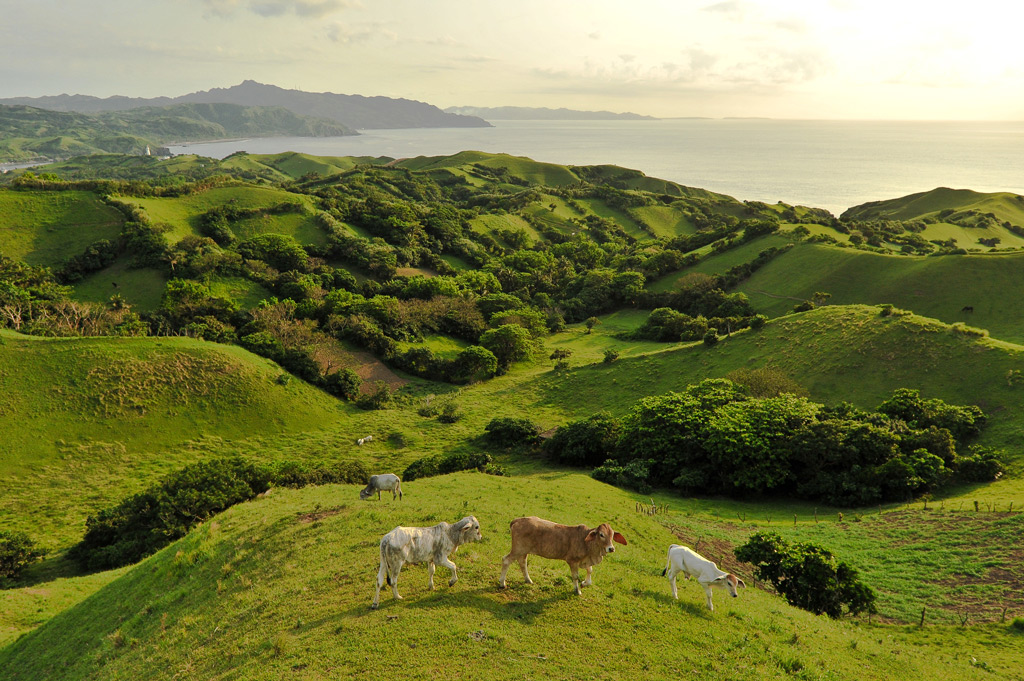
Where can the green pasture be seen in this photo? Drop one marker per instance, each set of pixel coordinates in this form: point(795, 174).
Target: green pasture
point(243, 292)
point(46, 228)
point(549, 174)
point(932, 286)
point(666, 221)
point(719, 263)
point(180, 212)
point(282, 586)
point(142, 288)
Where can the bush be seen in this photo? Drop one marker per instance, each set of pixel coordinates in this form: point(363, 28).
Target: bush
point(634, 475)
point(148, 521)
point(980, 465)
point(586, 442)
point(343, 383)
point(443, 464)
point(450, 412)
point(610, 356)
point(511, 432)
point(711, 337)
point(16, 552)
point(807, 576)
point(297, 474)
point(1017, 625)
point(379, 398)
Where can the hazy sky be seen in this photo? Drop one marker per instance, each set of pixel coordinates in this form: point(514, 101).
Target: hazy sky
point(892, 59)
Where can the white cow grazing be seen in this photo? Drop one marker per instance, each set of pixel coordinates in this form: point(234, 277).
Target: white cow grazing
point(422, 545)
point(692, 564)
point(368, 438)
point(388, 482)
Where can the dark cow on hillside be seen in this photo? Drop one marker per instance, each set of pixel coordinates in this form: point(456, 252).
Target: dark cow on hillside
point(579, 546)
point(967, 308)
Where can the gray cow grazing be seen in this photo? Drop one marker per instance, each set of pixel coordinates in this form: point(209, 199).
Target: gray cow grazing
point(388, 482)
point(579, 546)
point(429, 545)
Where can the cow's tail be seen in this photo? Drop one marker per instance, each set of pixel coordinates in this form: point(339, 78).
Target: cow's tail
point(385, 564)
point(668, 562)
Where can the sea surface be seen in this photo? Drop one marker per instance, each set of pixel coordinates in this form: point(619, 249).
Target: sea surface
point(827, 164)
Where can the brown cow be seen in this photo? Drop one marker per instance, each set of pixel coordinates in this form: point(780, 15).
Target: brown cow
point(579, 546)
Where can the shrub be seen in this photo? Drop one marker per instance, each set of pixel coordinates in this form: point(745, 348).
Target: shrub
point(980, 465)
point(343, 383)
point(443, 464)
point(1017, 625)
point(807, 576)
point(586, 442)
point(379, 398)
point(145, 522)
point(805, 306)
point(610, 356)
point(450, 412)
point(634, 475)
point(511, 432)
point(711, 337)
point(297, 474)
point(16, 552)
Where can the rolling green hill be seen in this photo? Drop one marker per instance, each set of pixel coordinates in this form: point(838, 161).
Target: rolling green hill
point(281, 587)
point(45, 228)
point(86, 418)
point(27, 132)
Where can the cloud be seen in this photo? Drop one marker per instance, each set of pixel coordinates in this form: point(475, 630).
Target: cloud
point(351, 34)
point(275, 8)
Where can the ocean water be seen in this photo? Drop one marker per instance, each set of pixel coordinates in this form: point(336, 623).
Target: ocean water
point(827, 164)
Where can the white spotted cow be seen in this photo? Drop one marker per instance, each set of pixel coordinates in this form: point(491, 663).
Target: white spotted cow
point(387, 482)
point(692, 564)
point(430, 545)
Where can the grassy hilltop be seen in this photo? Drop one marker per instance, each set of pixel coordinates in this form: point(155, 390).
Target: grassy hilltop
point(398, 271)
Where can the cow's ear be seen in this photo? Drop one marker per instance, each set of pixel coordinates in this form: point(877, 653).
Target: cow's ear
point(740, 582)
point(591, 536)
point(620, 539)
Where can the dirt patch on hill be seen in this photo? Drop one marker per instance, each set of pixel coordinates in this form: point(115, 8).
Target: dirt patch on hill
point(319, 514)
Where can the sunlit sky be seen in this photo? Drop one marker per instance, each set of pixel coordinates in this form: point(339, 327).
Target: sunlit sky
point(879, 59)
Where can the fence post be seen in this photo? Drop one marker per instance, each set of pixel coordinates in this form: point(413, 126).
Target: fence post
point(922, 617)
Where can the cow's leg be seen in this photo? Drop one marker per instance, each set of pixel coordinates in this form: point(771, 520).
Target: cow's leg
point(575, 571)
point(381, 576)
point(526, 572)
point(672, 573)
point(707, 590)
point(430, 575)
point(505, 562)
point(394, 580)
point(451, 566)
point(590, 576)
point(378, 494)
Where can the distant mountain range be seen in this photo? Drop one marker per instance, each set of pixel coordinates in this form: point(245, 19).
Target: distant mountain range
point(354, 111)
point(526, 113)
point(29, 133)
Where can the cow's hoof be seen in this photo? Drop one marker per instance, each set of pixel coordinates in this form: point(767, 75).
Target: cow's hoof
point(451, 582)
point(374, 606)
point(529, 581)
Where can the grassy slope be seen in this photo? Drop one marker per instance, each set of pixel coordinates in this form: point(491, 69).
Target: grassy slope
point(936, 287)
point(282, 586)
point(549, 174)
point(141, 288)
point(45, 228)
point(180, 212)
point(85, 419)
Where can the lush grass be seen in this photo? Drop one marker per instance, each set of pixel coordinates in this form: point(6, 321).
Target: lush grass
point(937, 286)
point(719, 263)
point(243, 292)
point(141, 288)
point(665, 220)
point(549, 174)
point(46, 228)
point(86, 418)
point(180, 212)
point(294, 165)
point(282, 585)
point(442, 346)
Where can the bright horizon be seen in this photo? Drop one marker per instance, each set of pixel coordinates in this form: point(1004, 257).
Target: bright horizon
point(799, 59)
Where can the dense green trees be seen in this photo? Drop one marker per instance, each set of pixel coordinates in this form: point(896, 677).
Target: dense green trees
point(714, 437)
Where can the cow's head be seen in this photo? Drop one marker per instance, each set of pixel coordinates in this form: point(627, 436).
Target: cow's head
point(366, 493)
point(731, 581)
point(468, 529)
point(605, 536)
